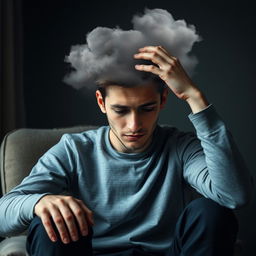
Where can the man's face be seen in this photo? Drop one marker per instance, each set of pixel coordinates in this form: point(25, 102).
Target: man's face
point(132, 115)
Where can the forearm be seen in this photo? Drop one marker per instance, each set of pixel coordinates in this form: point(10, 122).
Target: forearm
point(16, 212)
point(225, 177)
point(196, 100)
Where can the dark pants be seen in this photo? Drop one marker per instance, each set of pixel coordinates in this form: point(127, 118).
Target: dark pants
point(203, 229)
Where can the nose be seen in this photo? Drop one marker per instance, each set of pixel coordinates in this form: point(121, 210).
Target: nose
point(134, 122)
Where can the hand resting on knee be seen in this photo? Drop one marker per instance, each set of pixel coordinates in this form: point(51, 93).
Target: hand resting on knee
point(70, 216)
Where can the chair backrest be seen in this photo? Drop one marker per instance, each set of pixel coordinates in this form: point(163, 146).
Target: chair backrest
point(21, 149)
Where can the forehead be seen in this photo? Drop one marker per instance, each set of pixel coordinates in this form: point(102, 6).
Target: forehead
point(132, 95)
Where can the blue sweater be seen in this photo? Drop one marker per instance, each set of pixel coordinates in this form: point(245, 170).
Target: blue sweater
point(136, 198)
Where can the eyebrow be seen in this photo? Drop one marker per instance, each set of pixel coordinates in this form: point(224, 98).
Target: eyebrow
point(141, 106)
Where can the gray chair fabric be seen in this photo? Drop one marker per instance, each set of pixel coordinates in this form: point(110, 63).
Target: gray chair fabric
point(21, 149)
point(14, 246)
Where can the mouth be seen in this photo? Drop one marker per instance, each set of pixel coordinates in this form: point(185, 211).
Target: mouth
point(133, 137)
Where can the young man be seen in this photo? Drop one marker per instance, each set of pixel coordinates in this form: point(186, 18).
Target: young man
point(126, 181)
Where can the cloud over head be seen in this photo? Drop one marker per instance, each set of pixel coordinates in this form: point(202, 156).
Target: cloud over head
point(108, 52)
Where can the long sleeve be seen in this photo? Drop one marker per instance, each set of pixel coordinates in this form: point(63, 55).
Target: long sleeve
point(51, 175)
point(213, 164)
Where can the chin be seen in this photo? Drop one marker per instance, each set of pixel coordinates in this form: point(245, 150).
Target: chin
point(136, 148)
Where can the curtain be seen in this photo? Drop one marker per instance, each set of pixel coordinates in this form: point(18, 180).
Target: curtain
point(11, 51)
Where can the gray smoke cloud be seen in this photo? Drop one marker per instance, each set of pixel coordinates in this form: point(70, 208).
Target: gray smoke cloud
point(108, 52)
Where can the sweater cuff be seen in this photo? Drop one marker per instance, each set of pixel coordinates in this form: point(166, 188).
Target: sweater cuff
point(29, 205)
point(206, 121)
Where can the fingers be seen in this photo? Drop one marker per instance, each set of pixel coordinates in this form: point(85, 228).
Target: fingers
point(69, 215)
point(61, 226)
point(155, 53)
point(149, 68)
point(67, 228)
point(74, 216)
point(88, 213)
point(153, 48)
point(159, 50)
point(159, 56)
point(153, 56)
point(80, 214)
point(46, 220)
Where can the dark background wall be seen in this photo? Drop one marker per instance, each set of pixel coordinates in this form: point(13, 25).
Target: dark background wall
point(226, 70)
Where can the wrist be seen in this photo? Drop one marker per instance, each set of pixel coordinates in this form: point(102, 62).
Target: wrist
point(197, 101)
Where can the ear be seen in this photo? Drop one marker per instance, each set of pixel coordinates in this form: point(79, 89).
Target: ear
point(100, 101)
point(164, 97)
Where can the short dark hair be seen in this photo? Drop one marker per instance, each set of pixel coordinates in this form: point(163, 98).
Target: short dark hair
point(101, 86)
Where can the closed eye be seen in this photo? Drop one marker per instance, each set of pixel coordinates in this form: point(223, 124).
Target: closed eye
point(148, 109)
point(120, 111)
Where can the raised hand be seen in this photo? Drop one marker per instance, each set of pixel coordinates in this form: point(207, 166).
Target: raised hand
point(170, 70)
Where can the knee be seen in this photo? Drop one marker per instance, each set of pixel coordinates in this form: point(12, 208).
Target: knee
point(36, 222)
point(36, 235)
point(209, 208)
point(36, 228)
point(38, 240)
point(213, 215)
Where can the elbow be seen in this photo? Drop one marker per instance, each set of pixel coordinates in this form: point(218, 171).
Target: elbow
point(233, 204)
point(246, 195)
point(239, 200)
point(4, 232)
point(240, 203)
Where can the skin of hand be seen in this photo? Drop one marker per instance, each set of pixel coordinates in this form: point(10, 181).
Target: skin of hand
point(67, 213)
point(170, 70)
